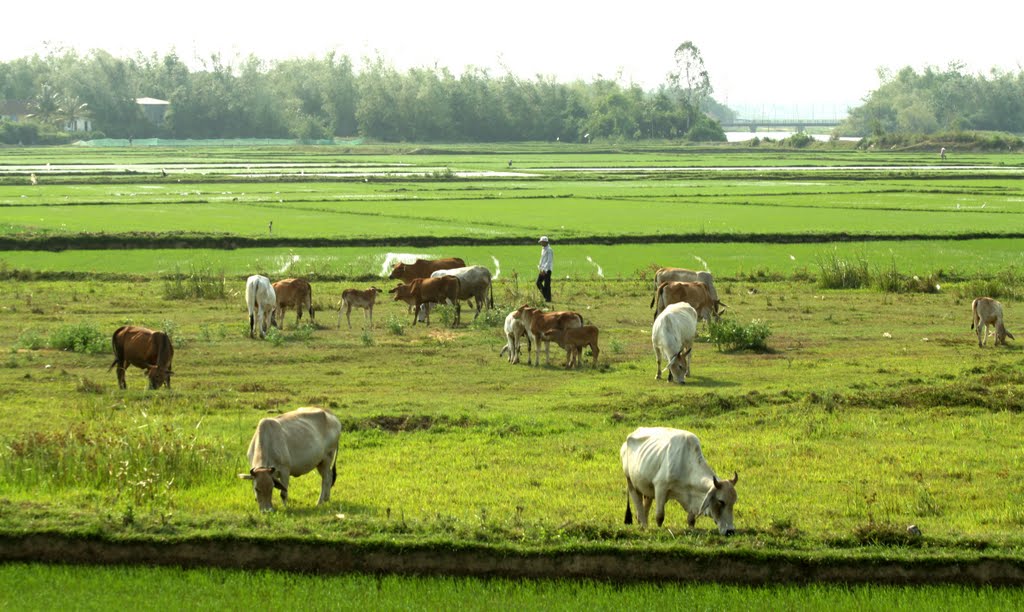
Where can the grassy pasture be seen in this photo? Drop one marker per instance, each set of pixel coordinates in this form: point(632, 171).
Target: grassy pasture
point(860, 409)
point(871, 411)
point(30, 587)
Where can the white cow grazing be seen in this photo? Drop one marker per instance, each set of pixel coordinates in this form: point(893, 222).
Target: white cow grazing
point(261, 299)
point(988, 313)
point(291, 445)
point(661, 463)
point(672, 336)
point(515, 331)
point(475, 283)
point(682, 275)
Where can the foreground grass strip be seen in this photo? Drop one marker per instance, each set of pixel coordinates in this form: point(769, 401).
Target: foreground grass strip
point(31, 587)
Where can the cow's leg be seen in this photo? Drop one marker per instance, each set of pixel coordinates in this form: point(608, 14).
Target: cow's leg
point(691, 519)
point(657, 354)
point(348, 315)
point(660, 497)
point(638, 502)
point(298, 319)
point(252, 324)
point(326, 479)
point(120, 376)
point(647, 507)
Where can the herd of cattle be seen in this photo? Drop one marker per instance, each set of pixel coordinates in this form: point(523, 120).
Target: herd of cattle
point(659, 463)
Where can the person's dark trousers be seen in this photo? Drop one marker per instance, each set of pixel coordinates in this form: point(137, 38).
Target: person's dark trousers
point(544, 284)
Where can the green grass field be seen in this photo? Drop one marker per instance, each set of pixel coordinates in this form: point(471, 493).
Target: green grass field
point(870, 410)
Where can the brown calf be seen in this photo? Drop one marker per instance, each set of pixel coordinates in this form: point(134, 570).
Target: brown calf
point(430, 291)
point(573, 340)
point(146, 349)
point(293, 292)
point(423, 268)
point(356, 298)
point(538, 323)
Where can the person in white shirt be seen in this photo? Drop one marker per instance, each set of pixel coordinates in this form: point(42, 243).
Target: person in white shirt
point(547, 258)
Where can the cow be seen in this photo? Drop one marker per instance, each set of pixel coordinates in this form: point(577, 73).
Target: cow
point(356, 298)
point(537, 323)
point(988, 313)
point(664, 275)
point(293, 292)
point(144, 348)
point(573, 340)
point(661, 463)
point(430, 290)
point(515, 331)
point(262, 302)
point(695, 294)
point(423, 268)
point(672, 335)
point(475, 283)
point(291, 445)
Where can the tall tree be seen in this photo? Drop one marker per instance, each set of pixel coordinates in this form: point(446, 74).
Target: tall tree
point(690, 80)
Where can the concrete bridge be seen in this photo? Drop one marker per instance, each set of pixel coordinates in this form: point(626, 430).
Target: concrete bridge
point(799, 124)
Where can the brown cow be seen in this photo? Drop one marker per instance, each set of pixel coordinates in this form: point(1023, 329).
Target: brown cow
point(356, 298)
point(146, 349)
point(573, 340)
point(538, 323)
point(423, 268)
point(430, 290)
point(293, 292)
point(695, 294)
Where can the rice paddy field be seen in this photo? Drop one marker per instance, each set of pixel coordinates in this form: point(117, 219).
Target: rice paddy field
point(868, 408)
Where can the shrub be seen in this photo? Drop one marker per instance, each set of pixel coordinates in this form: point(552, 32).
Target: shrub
point(80, 338)
point(728, 335)
point(395, 326)
point(196, 284)
point(366, 338)
point(1007, 284)
point(31, 339)
point(839, 273)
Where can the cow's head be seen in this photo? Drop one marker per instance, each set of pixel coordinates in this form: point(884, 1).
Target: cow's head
point(679, 365)
point(719, 309)
point(264, 481)
point(719, 502)
point(158, 376)
point(398, 271)
point(520, 312)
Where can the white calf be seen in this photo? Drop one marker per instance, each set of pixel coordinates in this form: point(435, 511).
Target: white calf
point(261, 300)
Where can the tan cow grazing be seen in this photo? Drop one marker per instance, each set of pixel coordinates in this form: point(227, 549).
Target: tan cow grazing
point(423, 268)
point(693, 293)
point(357, 298)
point(293, 293)
point(539, 323)
point(573, 340)
point(682, 275)
point(422, 291)
point(144, 348)
point(989, 313)
point(292, 444)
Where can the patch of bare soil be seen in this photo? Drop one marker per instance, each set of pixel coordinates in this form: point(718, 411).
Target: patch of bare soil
point(335, 558)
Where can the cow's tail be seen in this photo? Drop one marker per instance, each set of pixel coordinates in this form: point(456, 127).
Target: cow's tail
point(974, 313)
point(334, 470)
point(118, 350)
point(629, 511)
point(490, 290)
point(309, 305)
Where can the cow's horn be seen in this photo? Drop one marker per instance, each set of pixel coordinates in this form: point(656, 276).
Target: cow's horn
point(735, 477)
point(717, 483)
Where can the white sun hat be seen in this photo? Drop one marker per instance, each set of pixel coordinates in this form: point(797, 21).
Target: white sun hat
point(543, 239)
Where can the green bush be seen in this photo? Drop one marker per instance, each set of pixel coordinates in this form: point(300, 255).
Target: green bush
point(395, 326)
point(839, 273)
point(1006, 285)
point(728, 335)
point(80, 338)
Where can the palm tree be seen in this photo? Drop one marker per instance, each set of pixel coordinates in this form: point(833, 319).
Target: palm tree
point(72, 109)
point(45, 106)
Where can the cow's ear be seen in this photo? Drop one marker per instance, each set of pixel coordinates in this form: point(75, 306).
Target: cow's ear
point(705, 506)
point(245, 476)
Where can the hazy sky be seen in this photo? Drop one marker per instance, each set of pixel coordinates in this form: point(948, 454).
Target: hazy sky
point(814, 57)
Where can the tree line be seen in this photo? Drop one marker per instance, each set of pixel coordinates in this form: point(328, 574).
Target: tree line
point(935, 100)
point(326, 97)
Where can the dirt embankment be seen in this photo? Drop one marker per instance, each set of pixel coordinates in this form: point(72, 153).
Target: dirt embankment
point(144, 240)
point(337, 558)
